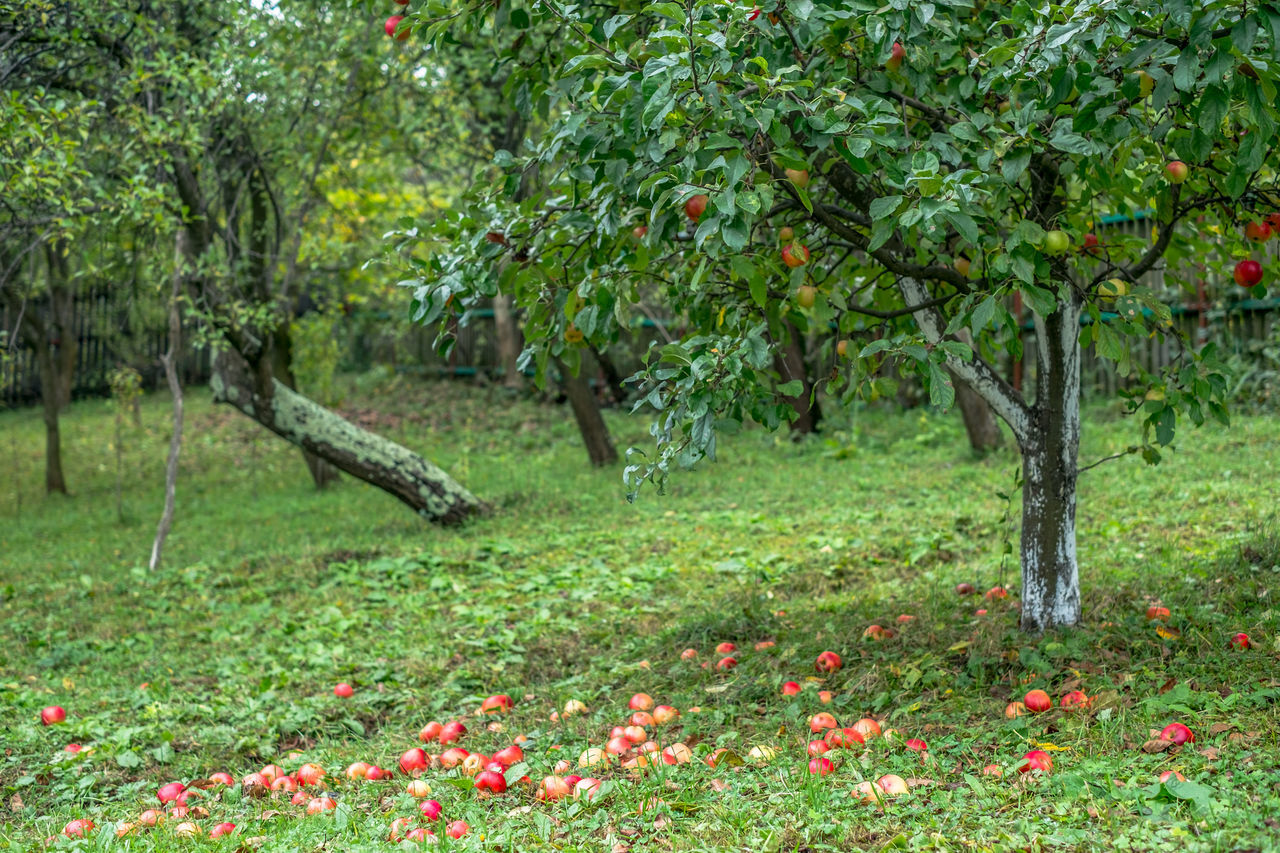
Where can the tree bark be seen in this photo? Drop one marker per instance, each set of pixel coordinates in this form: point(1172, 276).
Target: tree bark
point(170, 362)
point(979, 423)
point(1048, 434)
point(416, 482)
point(51, 403)
point(322, 473)
point(1050, 458)
point(789, 362)
point(508, 340)
point(586, 410)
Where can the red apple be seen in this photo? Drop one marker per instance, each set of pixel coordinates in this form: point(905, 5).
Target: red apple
point(418, 788)
point(726, 663)
point(357, 770)
point(639, 231)
point(377, 774)
point(452, 757)
point(695, 207)
point(795, 255)
point(553, 788)
point(965, 589)
point(414, 759)
point(688, 654)
point(1091, 243)
point(822, 720)
point(726, 648)
point(1176, 172)
point(996, 593)
point(494, 783)
point(791, 688)
point(457, 829)
point(1036, 759)
point(151, 817)
point(641, 702)
point(497, 704)
point(1156, 613)
point(587, 788)
point(390, 27)
point(828, 662)
point(867, 727)
point(509, 756)
point(846, 738)
point(1239, 641)
point(52, 715)
point(1258, 231)
point(874, 632)
point(896, 55)
point(915, 744)
point(451, 732)
point(664, 714)
point(1248, 273)
point(342, 690)
point(430, 732)
point(419, 834)
point(222, 779)
point(321, 804)
point(72, 748)
point(821, 766)
point(641, 718)
point(1073, 700)
point(431, 809)
point(169, 792)
point(1177, 733)
point(222, 829)
point(1037, 701)
point(817, 747)
point(78, 828)
point(310, 774)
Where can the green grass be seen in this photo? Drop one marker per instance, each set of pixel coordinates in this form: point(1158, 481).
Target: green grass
point(271, 593)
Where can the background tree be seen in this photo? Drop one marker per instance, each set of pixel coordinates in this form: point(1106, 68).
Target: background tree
point(895, 141)
point(235, 142)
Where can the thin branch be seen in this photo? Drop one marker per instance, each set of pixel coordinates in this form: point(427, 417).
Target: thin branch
point(1129, 451)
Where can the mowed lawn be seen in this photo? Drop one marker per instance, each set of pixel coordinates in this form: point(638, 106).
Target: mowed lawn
point(225, 659)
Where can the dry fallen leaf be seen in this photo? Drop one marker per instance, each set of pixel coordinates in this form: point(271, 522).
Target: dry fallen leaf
point(1210, 752)
point(1219, 728)
point(661, 822)
point(913, 782)
point(16, 804)
point(719, 785)
point(1156, 745)
point(620, 848)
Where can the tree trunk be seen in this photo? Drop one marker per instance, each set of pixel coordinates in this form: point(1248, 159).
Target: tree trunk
point(615, 387)
point(508, 338)
point(419, 484)
point(51, 402)
point(979, 423)
point(1050, 458)
point(586, 410)
point(789, 362)
point(322, 473)
point(170, 362)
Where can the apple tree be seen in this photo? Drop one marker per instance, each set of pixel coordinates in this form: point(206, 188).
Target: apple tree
point(902, 171)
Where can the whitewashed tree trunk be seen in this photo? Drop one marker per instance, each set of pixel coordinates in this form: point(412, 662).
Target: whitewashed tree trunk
point(1050, 458)
point(1048, 434)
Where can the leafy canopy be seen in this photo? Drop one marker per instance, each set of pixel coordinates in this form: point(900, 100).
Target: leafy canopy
point(934, 172)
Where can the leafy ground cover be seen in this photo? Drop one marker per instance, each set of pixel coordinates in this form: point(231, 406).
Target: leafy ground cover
point(225, 659)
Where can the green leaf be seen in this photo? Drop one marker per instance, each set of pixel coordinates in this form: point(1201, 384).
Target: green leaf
point(128, 758)
point(791, 389)
point(941, 392)
point(884, 207)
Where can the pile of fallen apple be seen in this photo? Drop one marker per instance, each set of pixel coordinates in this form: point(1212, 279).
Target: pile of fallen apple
point(631, 749)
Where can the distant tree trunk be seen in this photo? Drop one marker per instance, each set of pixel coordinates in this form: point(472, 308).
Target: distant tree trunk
point(50, 401)
point(789, 363)
point(613, 379)
point(508, 335)
point(170, 362)
point(586, 410)
point(979, 422)
point(416, 482)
